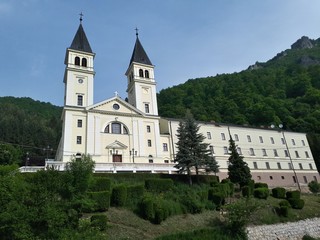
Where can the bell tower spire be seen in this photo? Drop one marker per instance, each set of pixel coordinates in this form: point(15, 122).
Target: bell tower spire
point(79, 72)
point(141, 86)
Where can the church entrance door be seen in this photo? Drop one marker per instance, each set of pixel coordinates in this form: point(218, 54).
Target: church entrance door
point(116, 158)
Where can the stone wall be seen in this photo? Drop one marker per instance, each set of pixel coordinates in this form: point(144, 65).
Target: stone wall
point(286, 231)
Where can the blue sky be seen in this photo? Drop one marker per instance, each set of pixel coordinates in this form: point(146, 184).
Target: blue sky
point(184, 39)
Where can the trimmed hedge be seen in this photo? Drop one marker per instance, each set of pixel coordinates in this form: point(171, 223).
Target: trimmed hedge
point(100, 184)
point(282, 211)
point(293, 194)
point(134, 194)
point(284, 203)
point(119, 195)
point(260, 185)
point(216, 197)
point(99, 221)
point(158, 185)
point(296, 203)
point(261, 193)
point(192, 204)
point(279, 192)
point(101, 200)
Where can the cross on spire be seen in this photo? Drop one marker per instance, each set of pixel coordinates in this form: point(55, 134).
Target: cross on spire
point(137, 31)
point(81, 15)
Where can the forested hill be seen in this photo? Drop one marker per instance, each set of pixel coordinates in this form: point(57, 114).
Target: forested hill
point(286, 89)
point(27, 126)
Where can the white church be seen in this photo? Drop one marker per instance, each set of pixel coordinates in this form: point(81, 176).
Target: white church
point(129, 135)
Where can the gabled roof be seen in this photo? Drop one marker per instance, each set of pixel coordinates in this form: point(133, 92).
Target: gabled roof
point(80, 41)
point(139, 55)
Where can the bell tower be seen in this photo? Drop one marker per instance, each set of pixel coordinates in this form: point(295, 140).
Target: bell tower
point(79, 72)
point(141, 85)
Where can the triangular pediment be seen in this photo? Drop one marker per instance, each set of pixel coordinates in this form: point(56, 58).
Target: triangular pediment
point(115, 105)
point(116, 145)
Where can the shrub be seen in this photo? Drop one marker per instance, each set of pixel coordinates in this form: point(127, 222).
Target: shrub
point(282, 211)
point(261, 193)
point(134, 194)
point(284, 203)
point(158, 185)
point(146, 208)
point(99, 221)
point(192, 204)
point(260, 185)
point(101, 200)
point(296, 203)
point(230, 189)
point(246, 191)
point(279, 192)
point(314, 187)
point(119, 195)
point(100, 184)
point(217, 199)
point(293, 194)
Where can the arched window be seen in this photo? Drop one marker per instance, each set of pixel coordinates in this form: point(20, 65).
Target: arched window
point(77, 61)
point(116, 128)
point(140, 73)
point(146, 73)
point(84, 62)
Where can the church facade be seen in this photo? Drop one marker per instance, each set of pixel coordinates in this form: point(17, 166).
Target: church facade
point(129, 135)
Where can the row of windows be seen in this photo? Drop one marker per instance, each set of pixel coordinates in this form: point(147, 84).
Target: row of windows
point(261, 140)
point(305, 179)
point(267, 165)
point(264, 152)
point(83, 62)
point(142, 74)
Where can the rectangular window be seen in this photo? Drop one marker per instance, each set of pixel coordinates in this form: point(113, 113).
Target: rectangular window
point(116, 128)
point(80, 100)
point(225, 149)
point(211, 149)
point(294, 179)
point(209, 135)
point(283, 141)
point(297, 154)
point(305, 179)
point(261, 139)
point(150, 160)
point(303, 143)
point(148, 128)
point(300, 166)
point(310, 165)
point(79, 123)
point(249, 138)
point(286, 153)
point(272, 140)
point(251, 151)
point(79, 139)
point(307, 154)
point(149, 143)
point(236, 137)
point(223, 136)
point(267, 165)
point(166, 161)
point(279, 165)
point(146, 107)
point(239, 151)
point(289, 165)
point(293, 142)
point(255, 165)
point(264, 152)
point(165, 147)
point(275, 152)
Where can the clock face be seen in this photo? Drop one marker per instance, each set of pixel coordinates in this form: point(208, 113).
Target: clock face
point(116, 106)
point(80, 80)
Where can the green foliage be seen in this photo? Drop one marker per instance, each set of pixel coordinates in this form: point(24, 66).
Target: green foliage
point(246, 191)
point(282, 211)
point(193, 153)
point(99, 221)
point(284, 203)
point(217, 198)
point(279, 192)
point(119, 195)
point(101, 200)
point(80, 170)
point(261, 193)
point(100, 184)
point(158, 185)
point(293, 194)
point(7, 169)
point(10, 154)
point(134, 194)
point(192, 204)
point(296, 203)
point(260, 185)
point(314, 186)
point(238, 169)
